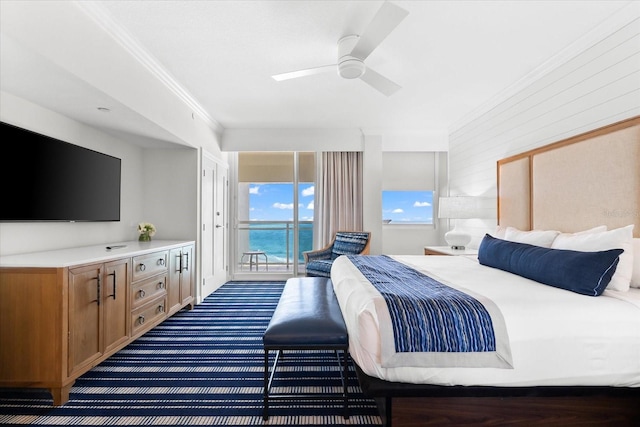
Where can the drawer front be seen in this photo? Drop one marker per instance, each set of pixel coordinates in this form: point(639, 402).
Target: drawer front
point(148, 289)
point(149, 265)
point(148, 315)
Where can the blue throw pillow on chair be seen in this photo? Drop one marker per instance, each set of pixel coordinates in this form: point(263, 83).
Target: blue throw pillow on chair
point(351, 243)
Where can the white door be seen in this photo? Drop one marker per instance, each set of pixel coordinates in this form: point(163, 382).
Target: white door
point(214, 251)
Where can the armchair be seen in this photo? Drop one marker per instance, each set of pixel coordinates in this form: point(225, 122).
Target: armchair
point(318, 262)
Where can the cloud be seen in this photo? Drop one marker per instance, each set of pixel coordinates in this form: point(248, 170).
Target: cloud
point(421, 204)
point(397, 211)
point(310, 206)
point(309, 191)
point(254, 190)
point(282, 205)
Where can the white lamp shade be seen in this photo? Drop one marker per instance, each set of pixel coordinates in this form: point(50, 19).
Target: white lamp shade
point(466, 207)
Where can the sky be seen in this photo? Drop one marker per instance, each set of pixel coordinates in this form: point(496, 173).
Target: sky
point(274, 202)
point(407, 206)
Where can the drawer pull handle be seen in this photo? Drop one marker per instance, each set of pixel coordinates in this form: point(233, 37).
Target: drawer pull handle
point(142, 293)
point(161, 308)
point(160, 285)
point(161, 261)
point(142, 267)
point(141, 319)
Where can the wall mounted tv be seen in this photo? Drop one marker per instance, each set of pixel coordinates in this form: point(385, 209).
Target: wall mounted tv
point(45, 179)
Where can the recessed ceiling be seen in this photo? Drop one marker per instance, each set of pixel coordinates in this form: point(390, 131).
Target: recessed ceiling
point(449, 57)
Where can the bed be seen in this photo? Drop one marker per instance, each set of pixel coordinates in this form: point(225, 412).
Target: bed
point(555, 355)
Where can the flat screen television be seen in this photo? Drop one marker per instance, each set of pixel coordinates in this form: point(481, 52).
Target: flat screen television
point(45, 179)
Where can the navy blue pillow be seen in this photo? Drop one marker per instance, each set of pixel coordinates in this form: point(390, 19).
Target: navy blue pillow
point(586, 273)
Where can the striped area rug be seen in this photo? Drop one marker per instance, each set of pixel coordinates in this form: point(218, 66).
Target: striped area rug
point(200, 367)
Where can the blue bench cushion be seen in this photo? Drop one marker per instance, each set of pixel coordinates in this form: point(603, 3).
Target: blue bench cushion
point(307, 316)
point(351, 243)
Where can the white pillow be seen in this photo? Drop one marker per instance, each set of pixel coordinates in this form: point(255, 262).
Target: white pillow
point(542, 238)
point(598, 229)
point(620, 238)
point(635, 275)
point(499, 233)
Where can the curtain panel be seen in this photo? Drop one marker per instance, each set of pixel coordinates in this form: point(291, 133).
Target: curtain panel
point(339, 195)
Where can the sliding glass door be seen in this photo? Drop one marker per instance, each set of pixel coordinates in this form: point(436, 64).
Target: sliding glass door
point(274, 213)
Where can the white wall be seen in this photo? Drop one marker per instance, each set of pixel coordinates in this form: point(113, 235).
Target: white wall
point(170, 200)
point(597, 85)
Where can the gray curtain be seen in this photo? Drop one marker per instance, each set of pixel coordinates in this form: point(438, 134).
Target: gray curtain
point(339, 195)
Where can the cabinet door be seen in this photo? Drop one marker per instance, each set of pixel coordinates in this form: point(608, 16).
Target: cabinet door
point(114, 298)
point(85, 312)
point(173, 288)
point(186, 284)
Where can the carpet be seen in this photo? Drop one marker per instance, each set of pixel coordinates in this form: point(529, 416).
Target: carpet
point(200, 367)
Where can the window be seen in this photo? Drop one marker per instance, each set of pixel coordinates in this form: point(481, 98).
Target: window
point(408, 184)
point(407, 207)
point(275, 209)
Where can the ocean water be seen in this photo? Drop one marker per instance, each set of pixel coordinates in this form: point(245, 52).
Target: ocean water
point(272, 239)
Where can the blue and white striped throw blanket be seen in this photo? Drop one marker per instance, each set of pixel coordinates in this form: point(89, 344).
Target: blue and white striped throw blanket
point(429, 317)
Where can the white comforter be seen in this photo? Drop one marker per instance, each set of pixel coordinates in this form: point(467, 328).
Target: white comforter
point(557, 337)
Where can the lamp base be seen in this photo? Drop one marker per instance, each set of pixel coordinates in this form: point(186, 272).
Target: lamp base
point(457, 239)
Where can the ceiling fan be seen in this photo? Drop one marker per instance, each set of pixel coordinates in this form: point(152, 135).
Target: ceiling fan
point(354, 49)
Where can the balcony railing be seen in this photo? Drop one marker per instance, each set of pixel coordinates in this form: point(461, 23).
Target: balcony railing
point(275, 239)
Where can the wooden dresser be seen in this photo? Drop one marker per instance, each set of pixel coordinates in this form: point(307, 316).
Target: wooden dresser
point(63, 312)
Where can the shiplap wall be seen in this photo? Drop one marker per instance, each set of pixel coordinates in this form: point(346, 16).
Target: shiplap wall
point(597, 86)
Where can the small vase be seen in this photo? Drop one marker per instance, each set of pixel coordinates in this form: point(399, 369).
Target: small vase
point(144, 237)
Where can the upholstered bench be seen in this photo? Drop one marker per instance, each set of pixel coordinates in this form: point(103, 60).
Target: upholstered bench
point(307, 317)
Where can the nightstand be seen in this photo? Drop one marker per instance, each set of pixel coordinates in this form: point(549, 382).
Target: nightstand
point(446, 250)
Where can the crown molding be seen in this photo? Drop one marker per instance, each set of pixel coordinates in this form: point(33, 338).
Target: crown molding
point(627, 15)
point(101, 17)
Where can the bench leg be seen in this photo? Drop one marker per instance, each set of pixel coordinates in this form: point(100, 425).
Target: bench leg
point(268, 379)
point(265, 401)
point(344, 362)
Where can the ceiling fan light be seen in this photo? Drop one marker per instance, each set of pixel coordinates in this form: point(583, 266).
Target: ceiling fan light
point(351, 68)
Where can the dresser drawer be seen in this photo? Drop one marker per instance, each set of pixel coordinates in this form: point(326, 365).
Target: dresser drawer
point(148, 315)
point(148, 289)
point(149, 265)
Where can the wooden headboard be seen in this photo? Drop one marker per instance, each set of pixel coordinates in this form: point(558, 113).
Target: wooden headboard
point(588, 180)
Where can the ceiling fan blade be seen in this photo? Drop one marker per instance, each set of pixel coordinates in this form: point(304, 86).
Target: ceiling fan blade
point(304, 73)
point(386, 20)
point(380, 82)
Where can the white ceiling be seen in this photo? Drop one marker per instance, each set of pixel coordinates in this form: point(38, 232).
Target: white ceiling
point(450, 57)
